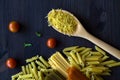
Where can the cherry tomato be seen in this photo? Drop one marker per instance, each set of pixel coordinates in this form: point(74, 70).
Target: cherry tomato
point(51, 42)
point(14, 26)
point(11, 63)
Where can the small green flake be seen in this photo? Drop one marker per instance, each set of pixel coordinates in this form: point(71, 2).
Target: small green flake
point(38, 34)
point(27, 44)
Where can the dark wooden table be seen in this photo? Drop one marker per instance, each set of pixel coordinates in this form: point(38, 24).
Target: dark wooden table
point(100, 17)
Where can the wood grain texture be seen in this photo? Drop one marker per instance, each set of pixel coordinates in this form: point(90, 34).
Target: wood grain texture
point(100, 17)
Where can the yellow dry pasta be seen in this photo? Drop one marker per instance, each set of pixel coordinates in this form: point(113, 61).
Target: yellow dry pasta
point(25, 76)
point(60, 59)
point(79, 49)
point(54, 59)
point(17, 75)
point(30, 68)
point(46, 70)
point(95, 70)
point(95, 62)
point(95, 53)
point(40, 64)
point(85, 55)
point(61, 21)
point(39, 68)
point(40, 74)
point(44, 61)
point(73, 63)
point(70, 48)
point(35, 73)
point(23, 70)
point(32, 59)
point(108, 62)
point(88, 74)
point(85, 50)
point(81, 62)
point(104, 58)
point(93, 58)
point(100, 50)
point(27, 69)
point(29, 79)
point(73, 55)
point(105, 73)
point(113, 64)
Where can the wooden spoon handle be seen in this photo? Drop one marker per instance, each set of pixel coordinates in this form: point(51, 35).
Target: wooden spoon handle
point(108, 48)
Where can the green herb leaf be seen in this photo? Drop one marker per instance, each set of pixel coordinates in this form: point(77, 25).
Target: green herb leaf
point(38, 34)
point(27, 44)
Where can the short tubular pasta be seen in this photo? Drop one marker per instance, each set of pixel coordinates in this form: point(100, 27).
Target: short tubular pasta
point(32, 59)
point(85, 50)
point(36, 69)
point(73, 55)
point(25, 76)
point(114, 64)
point(104, 58)
point(108, 62)
point(30, 68)
point(93, 58)
point(70, 48)
point(27, 69)
point(93, 63)
point(23, 70)
point(100, 50)
point(95, 53)
point(80, 49)
point(81, 62)
point(35, 73)
point(40, 74)
point(17, 75)
point(44, 61)
point(40, 64)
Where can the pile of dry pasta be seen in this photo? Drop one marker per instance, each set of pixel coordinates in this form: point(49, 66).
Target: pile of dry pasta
point(93, 63)
point(62, 21)
point(37, 69)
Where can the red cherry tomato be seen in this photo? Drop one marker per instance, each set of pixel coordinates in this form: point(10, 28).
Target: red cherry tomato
point(51, 42)
point(11, 63)
point(14, 26)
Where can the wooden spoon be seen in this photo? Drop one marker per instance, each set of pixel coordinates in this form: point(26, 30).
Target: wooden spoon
point(81, 32)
